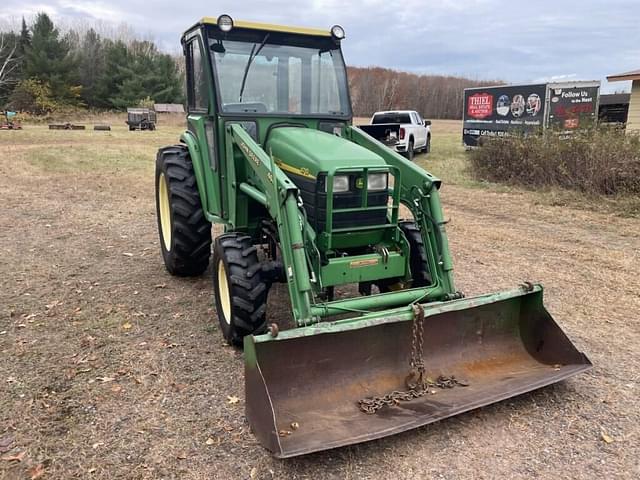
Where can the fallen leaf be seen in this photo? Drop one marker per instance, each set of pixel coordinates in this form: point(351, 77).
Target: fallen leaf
point(210, 441)
point(5, 443)
point(105, 379)
point(295, 425)
point(127, 254)
point(160, 285)
point(232, 399)
point(181, 456)
point(284, 433)
point(254, 473)
point(53, 304)
point(96, 445)
point(127, 326)
point(3, 332)
point(14, 458)
point(91, 470)
point(36, 471)
point(606, 437)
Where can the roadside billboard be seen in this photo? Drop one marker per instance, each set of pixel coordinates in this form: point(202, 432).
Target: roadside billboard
point(498, 111)
point(572, 106)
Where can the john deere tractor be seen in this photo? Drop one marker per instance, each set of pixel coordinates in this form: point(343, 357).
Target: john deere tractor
point(306, 199)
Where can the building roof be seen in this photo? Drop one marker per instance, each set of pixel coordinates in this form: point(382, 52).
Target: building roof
point(632, 75)
point(168, 108)
point(615, 98)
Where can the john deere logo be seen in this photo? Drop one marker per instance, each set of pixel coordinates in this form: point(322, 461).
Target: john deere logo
point(360, 182)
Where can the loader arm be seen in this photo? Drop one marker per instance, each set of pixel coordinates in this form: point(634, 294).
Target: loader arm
point(419, 192)
point(279, 196)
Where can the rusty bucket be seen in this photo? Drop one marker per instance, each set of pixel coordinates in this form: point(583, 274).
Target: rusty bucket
point(303, 387)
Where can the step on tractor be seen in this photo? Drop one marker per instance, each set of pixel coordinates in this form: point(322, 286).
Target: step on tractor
point(377, 340)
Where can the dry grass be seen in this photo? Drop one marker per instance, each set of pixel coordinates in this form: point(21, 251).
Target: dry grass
point(110, 368)
point(597, 163)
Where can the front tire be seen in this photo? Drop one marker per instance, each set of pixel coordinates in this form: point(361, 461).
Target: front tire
point(185, 233)
point(240, 291)
point(418, 262)
point(427, 147)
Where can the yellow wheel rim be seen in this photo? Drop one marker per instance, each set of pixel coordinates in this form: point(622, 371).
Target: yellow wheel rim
point(165, 211)
point(223, 293)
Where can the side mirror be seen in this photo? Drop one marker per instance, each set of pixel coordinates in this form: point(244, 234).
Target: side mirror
point(427, 123)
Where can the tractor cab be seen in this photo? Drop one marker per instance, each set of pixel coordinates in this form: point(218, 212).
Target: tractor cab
point(287, 88)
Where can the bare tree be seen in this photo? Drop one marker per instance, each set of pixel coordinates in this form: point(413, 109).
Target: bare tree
point(9, 60)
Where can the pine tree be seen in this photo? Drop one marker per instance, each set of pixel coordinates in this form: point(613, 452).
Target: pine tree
point(146, 73)
point(91, 69)
point(48, 59)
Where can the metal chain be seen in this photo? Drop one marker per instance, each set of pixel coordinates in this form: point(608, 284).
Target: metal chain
point(418, 384)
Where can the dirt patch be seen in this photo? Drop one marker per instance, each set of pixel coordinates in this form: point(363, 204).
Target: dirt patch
point(113, 369)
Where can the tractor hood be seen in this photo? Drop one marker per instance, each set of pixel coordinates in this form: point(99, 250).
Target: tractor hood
point(307, 152)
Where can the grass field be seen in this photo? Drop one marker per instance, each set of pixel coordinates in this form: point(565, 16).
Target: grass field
point(112, 369)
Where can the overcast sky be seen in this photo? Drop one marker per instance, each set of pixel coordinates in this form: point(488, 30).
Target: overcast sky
point(513, 40)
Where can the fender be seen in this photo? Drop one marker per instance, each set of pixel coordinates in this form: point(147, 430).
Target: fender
point(196, 159)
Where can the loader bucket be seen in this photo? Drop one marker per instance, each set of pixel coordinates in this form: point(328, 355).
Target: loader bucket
point(303, 386)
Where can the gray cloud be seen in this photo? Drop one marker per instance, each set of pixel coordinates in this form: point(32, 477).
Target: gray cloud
point(516, 41)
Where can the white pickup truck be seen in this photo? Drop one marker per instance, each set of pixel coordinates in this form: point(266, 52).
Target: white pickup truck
point(402, 130)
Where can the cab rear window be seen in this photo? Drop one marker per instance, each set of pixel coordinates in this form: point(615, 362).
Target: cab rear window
point(391, 118)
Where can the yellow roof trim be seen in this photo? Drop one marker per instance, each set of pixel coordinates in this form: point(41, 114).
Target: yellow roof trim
point(270, 27)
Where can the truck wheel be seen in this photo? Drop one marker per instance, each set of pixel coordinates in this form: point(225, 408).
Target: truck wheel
point(241, 294)
point(427, 147)
point(409, 153)
point(185, 233)
point(420, 275)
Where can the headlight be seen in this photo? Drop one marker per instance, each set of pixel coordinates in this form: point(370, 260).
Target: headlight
point(225, 23)
point(377, 182)
point(338, 32)
point(340, 184)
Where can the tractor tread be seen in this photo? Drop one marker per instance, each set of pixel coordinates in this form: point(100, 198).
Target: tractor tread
point(248, 290)
point(190, 230)
point(418, 260)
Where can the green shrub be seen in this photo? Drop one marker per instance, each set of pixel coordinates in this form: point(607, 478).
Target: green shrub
point(600, 160)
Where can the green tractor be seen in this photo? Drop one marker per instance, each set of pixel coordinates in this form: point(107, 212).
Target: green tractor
point(309, 200)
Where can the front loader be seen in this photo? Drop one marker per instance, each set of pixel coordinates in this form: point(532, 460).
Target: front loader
point(380, 340)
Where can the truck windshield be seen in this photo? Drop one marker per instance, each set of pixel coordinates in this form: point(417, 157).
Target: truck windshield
point(275, 73)
point(391, 118)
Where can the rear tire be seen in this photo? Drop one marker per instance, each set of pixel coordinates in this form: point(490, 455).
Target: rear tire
point(240, 291)
point(427, 147)
point(409, 153)
point(185, 233)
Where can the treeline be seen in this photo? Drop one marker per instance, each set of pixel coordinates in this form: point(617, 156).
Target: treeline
point(43, 69)
point(433, 96)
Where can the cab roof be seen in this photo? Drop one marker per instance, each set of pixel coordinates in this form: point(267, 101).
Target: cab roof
point(269, 26)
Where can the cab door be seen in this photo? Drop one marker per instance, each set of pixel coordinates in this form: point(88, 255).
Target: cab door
point(421, 132)
point(201, 120)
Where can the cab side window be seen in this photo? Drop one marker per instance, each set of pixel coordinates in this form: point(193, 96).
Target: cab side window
point(197, 92)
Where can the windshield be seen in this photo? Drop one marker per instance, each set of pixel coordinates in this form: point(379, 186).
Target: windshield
point(258, 72)
point(391, 118)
